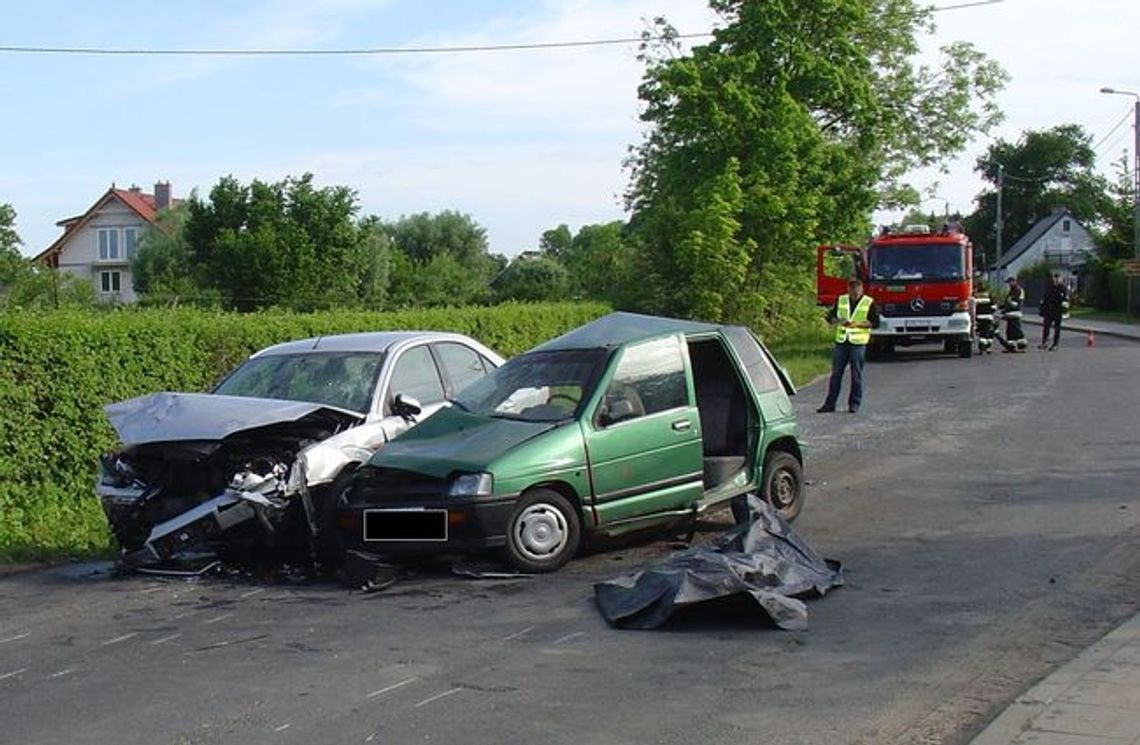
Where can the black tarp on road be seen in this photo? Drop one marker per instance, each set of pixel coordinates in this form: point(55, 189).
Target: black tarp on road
point(766, 560)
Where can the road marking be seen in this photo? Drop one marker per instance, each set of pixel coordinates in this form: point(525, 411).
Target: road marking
point(251, 593)
point(16, 637)
point(164, 639)
point(517, 634)
point(392, 687)
point(118, 639)
point(437, 697)
point(14, 673)
point(222, 617)
point(283, 727)
point(61, 673)
point(568, 637)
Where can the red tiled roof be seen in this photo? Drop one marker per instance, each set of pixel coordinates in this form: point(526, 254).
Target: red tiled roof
point(142, 204)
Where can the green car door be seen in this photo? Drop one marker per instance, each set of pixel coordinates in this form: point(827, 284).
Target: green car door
point(643, 437)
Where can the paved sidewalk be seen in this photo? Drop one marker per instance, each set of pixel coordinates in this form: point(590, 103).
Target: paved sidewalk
point(1080, 325)
point(1093, 699)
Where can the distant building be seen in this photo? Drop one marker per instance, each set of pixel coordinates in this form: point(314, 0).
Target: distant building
point(99, 244)
point(1059, 240)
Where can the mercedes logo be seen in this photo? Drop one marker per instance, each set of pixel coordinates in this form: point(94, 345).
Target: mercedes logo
point(917, 304)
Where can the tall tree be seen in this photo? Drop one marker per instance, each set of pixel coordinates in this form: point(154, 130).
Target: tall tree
point(811, 111)
point(1117, 239)
point(23, 285)
point(440, 259)
point(286, 244)
point(1042, 170)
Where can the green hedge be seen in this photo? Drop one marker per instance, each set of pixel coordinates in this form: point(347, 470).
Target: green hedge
point(58, 370)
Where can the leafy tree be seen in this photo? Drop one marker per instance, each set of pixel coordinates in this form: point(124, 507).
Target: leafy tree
point(556, 242)
point(23, 285)
point(284, 244)
point(1117, 239)
point(534, 279)
point(440, 259)
point(786, 130)
point(376, 270)
point(1043, 169)
point(163, 269)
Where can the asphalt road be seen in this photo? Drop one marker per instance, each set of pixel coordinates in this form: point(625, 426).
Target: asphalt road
point(985, 510)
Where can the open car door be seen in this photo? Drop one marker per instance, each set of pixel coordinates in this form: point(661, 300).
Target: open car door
point(835, 265)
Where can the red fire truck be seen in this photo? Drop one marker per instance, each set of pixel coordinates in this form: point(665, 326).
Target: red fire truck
point(921, 281)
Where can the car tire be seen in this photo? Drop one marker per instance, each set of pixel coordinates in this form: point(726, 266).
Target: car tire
point(329, 544)
point(543, 532)
point(783, 486)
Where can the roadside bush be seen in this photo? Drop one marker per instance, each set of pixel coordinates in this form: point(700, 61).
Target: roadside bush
point(59, 369)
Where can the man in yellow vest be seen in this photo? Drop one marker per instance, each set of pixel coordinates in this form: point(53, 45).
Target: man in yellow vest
point(853, 316)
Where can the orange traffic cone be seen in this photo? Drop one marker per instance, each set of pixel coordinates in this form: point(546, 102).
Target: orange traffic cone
point(1090, 340)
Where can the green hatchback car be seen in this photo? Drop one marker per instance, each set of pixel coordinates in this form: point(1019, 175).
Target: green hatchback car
point(623, 423)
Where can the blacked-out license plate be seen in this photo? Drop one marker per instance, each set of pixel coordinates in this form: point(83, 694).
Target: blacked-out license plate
point(405, 525)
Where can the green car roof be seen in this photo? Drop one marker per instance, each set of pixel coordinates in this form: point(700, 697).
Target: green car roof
point(617, 329)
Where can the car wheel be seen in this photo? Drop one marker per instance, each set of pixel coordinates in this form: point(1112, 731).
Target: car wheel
point(784, 483)
point(330, 545)
point(543, 532)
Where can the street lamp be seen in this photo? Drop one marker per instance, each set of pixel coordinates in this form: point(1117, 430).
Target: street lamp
point(1135, 179)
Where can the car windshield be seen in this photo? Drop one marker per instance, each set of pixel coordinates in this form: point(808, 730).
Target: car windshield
point(535, 387)
point(917, 262)
point(341, 379)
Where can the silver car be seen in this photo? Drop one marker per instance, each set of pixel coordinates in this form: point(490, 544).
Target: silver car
point(252, 464)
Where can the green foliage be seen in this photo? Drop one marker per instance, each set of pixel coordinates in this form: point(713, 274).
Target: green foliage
point(285, 244)
point(784, 132)
point(24, 285)
point(58, 370)
point(1044, 169)
point(440, 259)
point(1118, 240)
point(533, 279)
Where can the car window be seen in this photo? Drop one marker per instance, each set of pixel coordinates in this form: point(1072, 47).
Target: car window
point(536, 387)
point(416, 376)
point(756, 366)
point(461, 364)
point(649, 378)
point(343, 379)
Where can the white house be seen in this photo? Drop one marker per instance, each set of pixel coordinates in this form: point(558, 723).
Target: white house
point(99, 244)
point(1058, 240)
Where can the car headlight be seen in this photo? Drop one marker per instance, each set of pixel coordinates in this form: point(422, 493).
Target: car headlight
point(472, 485)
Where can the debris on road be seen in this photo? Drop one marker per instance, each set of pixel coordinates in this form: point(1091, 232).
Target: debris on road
point(765, 560)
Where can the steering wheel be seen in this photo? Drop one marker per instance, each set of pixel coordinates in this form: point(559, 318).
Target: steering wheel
point(565, 396)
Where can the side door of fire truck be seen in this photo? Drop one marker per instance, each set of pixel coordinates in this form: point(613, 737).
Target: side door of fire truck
point(835, 266)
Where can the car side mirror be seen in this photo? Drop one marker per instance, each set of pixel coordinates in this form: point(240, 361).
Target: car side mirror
point(617, 411)
point(406, 406)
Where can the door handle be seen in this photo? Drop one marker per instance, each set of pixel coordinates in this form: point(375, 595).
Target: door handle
point(681, 425)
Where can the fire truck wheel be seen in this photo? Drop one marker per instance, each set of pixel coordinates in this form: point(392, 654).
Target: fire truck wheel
point(966, 349)
point(783, 483)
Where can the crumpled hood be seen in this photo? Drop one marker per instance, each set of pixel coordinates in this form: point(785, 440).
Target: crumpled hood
point(180, 417)
point(455, 440)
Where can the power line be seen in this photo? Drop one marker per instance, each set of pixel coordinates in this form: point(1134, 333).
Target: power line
point(381, 51)
point(352, 52)
point(1104, 139)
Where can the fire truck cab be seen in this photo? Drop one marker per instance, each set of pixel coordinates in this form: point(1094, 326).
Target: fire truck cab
point(921, 281)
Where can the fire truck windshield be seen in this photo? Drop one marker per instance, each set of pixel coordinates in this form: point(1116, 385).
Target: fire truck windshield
point(927, 261)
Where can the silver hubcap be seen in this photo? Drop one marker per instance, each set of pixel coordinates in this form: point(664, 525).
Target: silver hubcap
point(540, 531)
point(783, 490)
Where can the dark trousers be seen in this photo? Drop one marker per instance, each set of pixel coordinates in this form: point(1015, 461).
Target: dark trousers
point(1013, 334)
point(843, 355)
point(1053, 321)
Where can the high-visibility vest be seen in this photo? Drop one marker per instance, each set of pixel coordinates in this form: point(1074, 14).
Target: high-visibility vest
point(843, 312)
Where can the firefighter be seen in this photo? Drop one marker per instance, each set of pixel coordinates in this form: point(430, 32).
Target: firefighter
point(853, 315)
point(984, 318)
point(1014, 339)
point(1054, 304)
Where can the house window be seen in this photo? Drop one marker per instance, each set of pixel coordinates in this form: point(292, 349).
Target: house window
point(108, 244)
point(1066, 226)
point(110, 283)
point(130, 241)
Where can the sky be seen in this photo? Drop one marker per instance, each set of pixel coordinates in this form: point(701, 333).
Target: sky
point(520, 140)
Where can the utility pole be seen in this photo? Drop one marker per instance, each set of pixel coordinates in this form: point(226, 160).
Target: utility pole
point(1135, 182)
point(998, 225)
